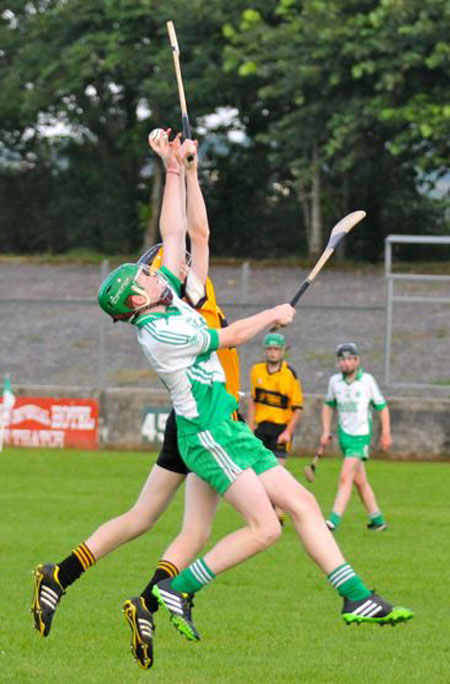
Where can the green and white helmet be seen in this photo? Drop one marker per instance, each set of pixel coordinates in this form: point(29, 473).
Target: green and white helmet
point(115, 290)
point(120, 284)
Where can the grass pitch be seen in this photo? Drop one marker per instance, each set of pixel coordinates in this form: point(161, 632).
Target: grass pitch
point(273, 619)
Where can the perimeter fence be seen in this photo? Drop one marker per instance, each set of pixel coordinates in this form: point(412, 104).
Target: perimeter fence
point(53, 333)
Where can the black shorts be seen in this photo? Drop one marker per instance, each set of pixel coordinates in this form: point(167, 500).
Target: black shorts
point(169, 457)
point(268, 433)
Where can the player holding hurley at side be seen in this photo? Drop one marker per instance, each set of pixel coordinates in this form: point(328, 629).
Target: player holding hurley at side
point(352, 392)
point(275, 402)
point(224, 453)
point(52, 580)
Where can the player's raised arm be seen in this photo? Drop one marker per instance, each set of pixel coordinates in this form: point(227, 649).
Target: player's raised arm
point(197, 217)
point(246, 328)
point(172, 223)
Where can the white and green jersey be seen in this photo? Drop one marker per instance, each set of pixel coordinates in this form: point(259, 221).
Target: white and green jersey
point(353, 401)
point(181, 348)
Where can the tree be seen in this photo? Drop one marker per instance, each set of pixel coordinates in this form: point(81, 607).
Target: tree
point(98, 69)
point(342, 84)
point(341, 105)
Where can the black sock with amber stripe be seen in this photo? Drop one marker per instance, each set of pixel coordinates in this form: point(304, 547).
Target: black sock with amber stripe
point(164, 569)
point(72, 567)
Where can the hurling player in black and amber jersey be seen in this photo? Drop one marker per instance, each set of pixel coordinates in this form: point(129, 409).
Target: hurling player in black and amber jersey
point(276, 400)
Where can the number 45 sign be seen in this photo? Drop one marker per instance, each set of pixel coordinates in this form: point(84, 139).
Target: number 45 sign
point(154, 424)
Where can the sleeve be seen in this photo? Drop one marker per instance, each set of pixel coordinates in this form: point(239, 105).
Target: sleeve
point(296, 392)
point(213, 343)
point(377, 399)
point(330, 398)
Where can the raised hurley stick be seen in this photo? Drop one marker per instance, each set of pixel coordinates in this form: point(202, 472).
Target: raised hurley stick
point(339, 231)
point(186, 126)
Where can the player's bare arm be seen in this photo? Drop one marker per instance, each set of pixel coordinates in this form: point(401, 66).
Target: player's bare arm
point(286, 436)
point(251, 414)
point(245, 329)
point(385, 437)
point(172, 222)
point(327, 414)
point(197, 217)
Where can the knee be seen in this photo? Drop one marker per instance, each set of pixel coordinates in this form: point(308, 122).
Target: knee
point(268, 533)
point(305, 504)
point(359, 484)
point(345, 479)
point(311, 503)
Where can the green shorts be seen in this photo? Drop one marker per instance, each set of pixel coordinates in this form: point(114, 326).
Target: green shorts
point(354, 446)
point(220, 454)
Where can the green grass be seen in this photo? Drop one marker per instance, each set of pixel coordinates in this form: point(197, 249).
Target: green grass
point(273, 619)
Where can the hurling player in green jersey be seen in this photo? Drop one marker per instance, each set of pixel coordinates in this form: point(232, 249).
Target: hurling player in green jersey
point(352, 393)
point(224, 453)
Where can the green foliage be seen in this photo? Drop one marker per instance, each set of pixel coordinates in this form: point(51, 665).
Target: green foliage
point(350, 93)
point(364, 84)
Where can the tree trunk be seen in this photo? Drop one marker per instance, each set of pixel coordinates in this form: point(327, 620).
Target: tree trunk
point(340, 249)
point(152, 233)
point(316, 230)
point(303, 198)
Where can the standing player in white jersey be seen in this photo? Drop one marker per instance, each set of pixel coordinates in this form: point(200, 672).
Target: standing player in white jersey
point(222, 452)
point(353, 392)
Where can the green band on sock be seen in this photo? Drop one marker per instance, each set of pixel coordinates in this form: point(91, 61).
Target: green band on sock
point(377, 518)
point(347, 583)
point(193, 578)
point(354, 589)
point(335, 519)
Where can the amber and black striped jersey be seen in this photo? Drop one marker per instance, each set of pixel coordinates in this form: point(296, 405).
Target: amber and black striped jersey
point(229, 359)
point(276, 394)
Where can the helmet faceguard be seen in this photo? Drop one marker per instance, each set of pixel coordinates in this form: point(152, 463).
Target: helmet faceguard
point(154, 257)
point(191, 286)
point(123, 282)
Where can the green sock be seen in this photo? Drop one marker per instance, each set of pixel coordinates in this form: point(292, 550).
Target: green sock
point(377, 518)
point(193, 578)
point(348, 584)
point(335, 518)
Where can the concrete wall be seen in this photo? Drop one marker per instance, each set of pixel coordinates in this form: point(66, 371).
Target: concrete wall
point(420, 427)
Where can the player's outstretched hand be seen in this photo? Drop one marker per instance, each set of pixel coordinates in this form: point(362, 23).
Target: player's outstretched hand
point(324, 439)
point(284, 314)
point(385, 442)
point(159, 141)
point(166, 149)
point(188, 154)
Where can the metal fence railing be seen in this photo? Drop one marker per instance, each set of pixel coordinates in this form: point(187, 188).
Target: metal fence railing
point(432, 343)
point(52, 331)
